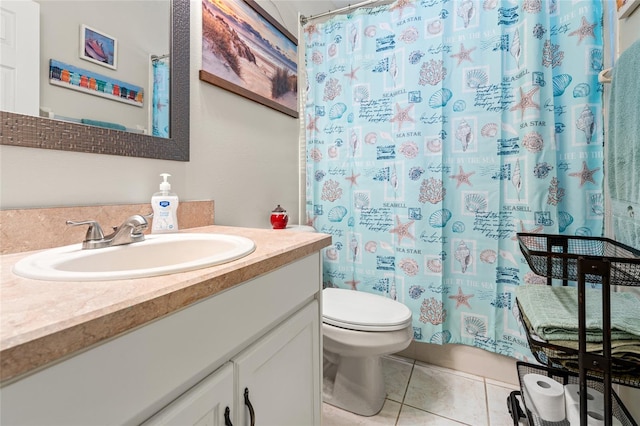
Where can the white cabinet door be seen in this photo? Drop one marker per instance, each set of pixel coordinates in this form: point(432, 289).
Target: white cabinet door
point(205, 404)
point(281, 372)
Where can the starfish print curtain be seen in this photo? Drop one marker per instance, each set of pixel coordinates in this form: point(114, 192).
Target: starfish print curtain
point(437, 130)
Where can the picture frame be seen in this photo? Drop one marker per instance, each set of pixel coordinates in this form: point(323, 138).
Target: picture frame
point(626, 7)
point(98, 47)
point(247, 52)
point(75, 78)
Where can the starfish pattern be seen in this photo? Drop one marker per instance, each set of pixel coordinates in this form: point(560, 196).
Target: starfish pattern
point(463, 54)
point(311, 30)
point(402, 115)
point(585, 174)
point(400, 5)
point(352, 283)
point(462, 299)
point(585, 30)
point(526, 101)
point(313, 124)
point(462, 177)
point(352, 75)
point(353, 178)
point(402, 230)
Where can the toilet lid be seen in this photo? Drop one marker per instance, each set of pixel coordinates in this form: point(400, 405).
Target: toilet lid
point(357, 310)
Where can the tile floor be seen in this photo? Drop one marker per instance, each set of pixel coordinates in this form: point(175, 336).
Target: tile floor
point(424, 394)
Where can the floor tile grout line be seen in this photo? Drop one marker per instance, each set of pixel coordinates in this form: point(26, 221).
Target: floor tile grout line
point(406, 389)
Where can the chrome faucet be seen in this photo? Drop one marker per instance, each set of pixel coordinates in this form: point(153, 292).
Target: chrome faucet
point(131, 231)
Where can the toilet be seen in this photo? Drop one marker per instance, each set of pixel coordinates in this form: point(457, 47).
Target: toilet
point(359, 328)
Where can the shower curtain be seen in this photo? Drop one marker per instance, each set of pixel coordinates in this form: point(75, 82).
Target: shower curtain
point(436, 130)
point(160, 107)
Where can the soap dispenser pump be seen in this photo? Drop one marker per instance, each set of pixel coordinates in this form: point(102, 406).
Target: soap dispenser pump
point(165, 208)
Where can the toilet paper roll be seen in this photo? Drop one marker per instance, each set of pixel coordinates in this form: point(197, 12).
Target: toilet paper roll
point(595, 398)
point(546, 395)
point(595, 417)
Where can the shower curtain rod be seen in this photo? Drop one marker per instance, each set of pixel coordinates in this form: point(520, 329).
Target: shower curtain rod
point(305, 19)
point(158, 57)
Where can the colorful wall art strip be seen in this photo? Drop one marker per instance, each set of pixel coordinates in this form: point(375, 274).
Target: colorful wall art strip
point(65, 75)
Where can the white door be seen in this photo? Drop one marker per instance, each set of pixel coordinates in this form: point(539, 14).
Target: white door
point(281, 373)
point(205, 404)
point(20, 56)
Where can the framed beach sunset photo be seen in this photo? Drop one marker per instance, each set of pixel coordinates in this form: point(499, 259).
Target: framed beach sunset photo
point(247, 52)
point(98, 47)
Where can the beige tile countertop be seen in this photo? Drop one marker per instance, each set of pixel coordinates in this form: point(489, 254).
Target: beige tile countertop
point(44, 321)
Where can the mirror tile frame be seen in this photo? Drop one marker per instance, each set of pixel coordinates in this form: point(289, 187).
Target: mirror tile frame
point(37, 132)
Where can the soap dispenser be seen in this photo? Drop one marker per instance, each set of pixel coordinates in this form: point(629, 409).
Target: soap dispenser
point(165, 208)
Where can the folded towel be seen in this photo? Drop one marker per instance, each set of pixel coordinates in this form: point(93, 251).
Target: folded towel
point(553, 313)
point(622, 147)
point(104, 124)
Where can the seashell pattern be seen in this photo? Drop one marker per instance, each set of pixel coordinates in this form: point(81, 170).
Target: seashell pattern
point(434, 145)
point(371, 138)
point(560, 83)
point(533, 142)
point(564, 220)
point(475, 326)
point(337, 213)
point(440, 218)
point(337, 111)
point(488, 256)
point(440, 98)
point(581, 90)
point(464, 134)
point(434, 265)
point(409, 149)
point(463, 256)
point(409, 266)
point(466, 11)
point(459, 105)
point(583, 231)
point(441, 337)
point(360, 93)
point(475, 203)
point(371, 246)
point(361, 200)
point(458, 227)
point(586, 123)
point(489, 130)
point(476, 78)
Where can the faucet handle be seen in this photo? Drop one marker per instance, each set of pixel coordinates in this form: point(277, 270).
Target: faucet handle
point(94, 232)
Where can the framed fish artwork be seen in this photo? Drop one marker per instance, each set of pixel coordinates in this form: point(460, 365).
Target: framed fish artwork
point(98, 47)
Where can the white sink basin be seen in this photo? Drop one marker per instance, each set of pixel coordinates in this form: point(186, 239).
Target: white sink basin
point(157, 255)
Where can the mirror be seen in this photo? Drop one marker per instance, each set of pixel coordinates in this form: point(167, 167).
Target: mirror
point(37, 132)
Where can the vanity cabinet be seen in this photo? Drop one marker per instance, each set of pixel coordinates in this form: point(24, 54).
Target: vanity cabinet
point(273, 376)
point(185, 368)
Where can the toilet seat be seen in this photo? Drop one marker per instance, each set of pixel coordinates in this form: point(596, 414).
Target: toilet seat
point(360, 311)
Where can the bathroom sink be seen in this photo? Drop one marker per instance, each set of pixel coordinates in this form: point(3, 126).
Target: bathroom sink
point(158, 254)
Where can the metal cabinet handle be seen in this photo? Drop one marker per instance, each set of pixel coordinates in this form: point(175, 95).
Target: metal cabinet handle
point(227, 420)
point(252, 414)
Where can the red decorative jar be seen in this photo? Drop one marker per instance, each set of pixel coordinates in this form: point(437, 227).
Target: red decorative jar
point(279, 218)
